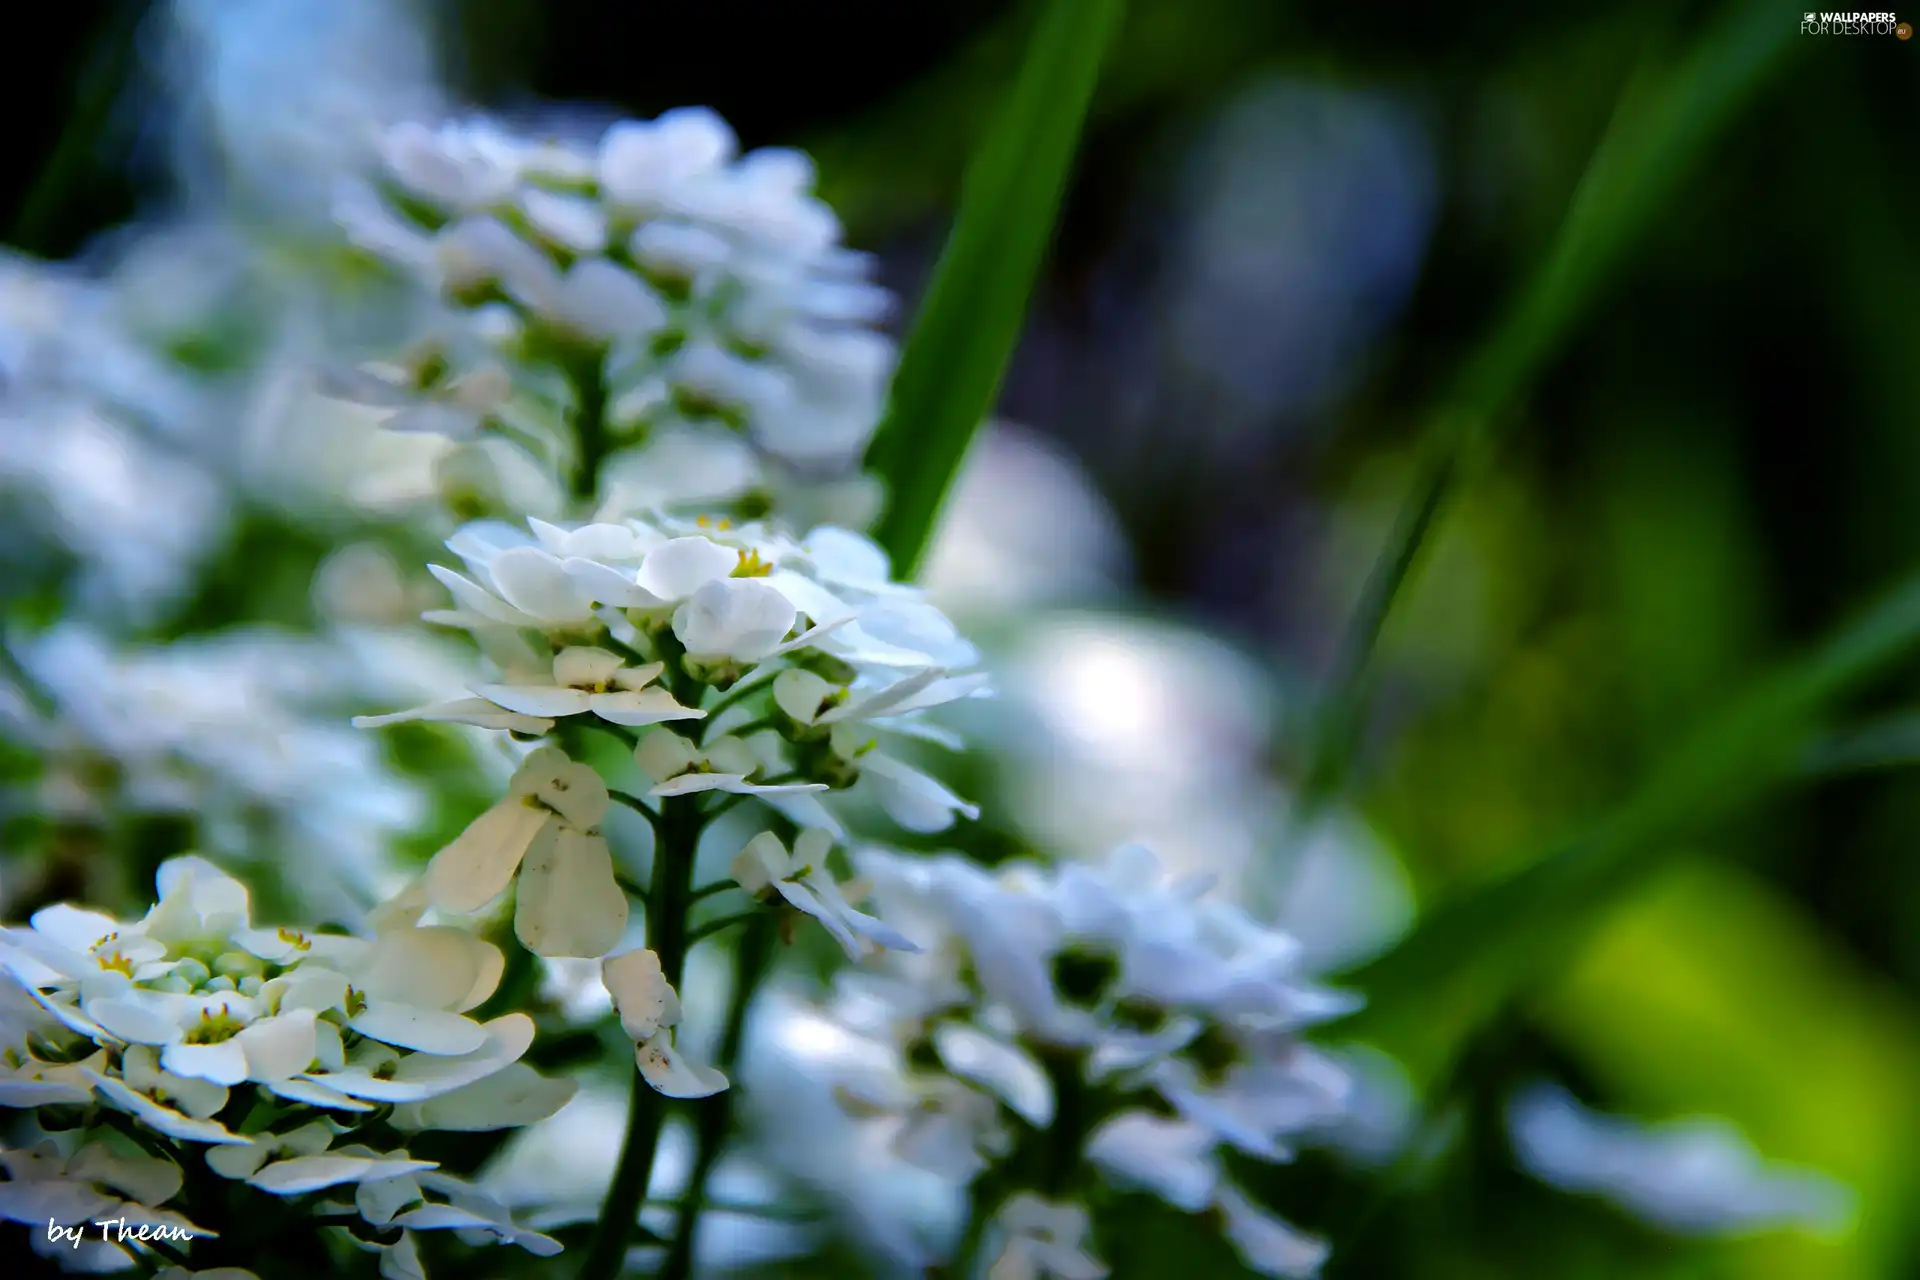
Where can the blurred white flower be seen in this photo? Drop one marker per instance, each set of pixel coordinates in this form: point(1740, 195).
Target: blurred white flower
point(1112, 729)
point(1024, 527)
point(711, 286)
point(803, 879)
point(1695, 1177)
point(231, 729)
point(1044, 1241)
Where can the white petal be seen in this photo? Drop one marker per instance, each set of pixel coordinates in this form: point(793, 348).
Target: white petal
point(642, 707)
point(741, 618)
point(584, 664)
point(507, 1099)
point(417, 1077)
point(606, 585)
point(804, 809)
point(846, 557)
point(872, 928)
point(803, 899)
point(603, 300)
point(473, 598)
point(669, 1073)
point(664, 754)
point(280, 1046)
point(575, 223)
point(911, 798)
point(378, 1202)
point(678, 567)
point(479, 864)
point(640, 990)
point(577, 793)
point(73, 928)
point(1172, 1159)
point(164, 1119)
point(537, 584)
point(570, 904)
point(315, 1094)
point(546, 701)
point(209, 891)
point(688, 783)
point(761, 862)
point(139, 1017)
point(998, 1067)
point(1265, 1243)
point(312, 1173)
point(475, 711)
point(407, 1026)
point(224, 1063)
point(801, 693)
point(237, 1162)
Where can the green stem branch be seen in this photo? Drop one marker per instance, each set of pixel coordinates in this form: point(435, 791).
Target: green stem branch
point(589, 423)
point(667, 900)
point(751, 962)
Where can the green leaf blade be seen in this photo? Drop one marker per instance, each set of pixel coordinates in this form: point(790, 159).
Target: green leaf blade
point(966, 329)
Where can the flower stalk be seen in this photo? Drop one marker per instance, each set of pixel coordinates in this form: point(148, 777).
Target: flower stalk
point(669, 893)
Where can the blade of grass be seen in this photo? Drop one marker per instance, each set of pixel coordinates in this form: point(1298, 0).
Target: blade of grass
point(1662, 124)
point(950, 371)
point(1469, 955)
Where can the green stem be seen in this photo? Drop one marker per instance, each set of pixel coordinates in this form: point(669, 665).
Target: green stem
point(589, 423)
point(638, 805)
point(667, 900)
point(751, 962)
point(712, 927)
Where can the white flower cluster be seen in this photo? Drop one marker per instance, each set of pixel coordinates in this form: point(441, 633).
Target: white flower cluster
point(709, 289)
point(225, 730)
point(584, 622)
point(194, 1025)
point(1181, 1014)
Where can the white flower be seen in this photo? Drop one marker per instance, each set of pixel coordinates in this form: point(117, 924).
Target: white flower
point(741, 620)
point(423, 394)
point(1043, 1239)
point(410, 986)
point(644, 164)
point(548, 829)
point(1266, 1244)
point(375, 1072)
point(1174, 1159)
point(508, 1099)
point(811, 699)
point(679, 767)
point(649, 1010)
point(298, 1162)
point(734, 254)
point(803, 879)
point(462, 164)
point(1698, 1176)
point(591, 680)
point(1004, 1070)
point(1276, 1089)
point(946, 1127)
point(45, 1186)
point(102, 1180)
point(916, 800)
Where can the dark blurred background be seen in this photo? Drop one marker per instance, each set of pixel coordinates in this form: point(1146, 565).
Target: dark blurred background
point(1290, 226)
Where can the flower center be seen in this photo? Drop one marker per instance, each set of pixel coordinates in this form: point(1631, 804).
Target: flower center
point(213, 1028)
